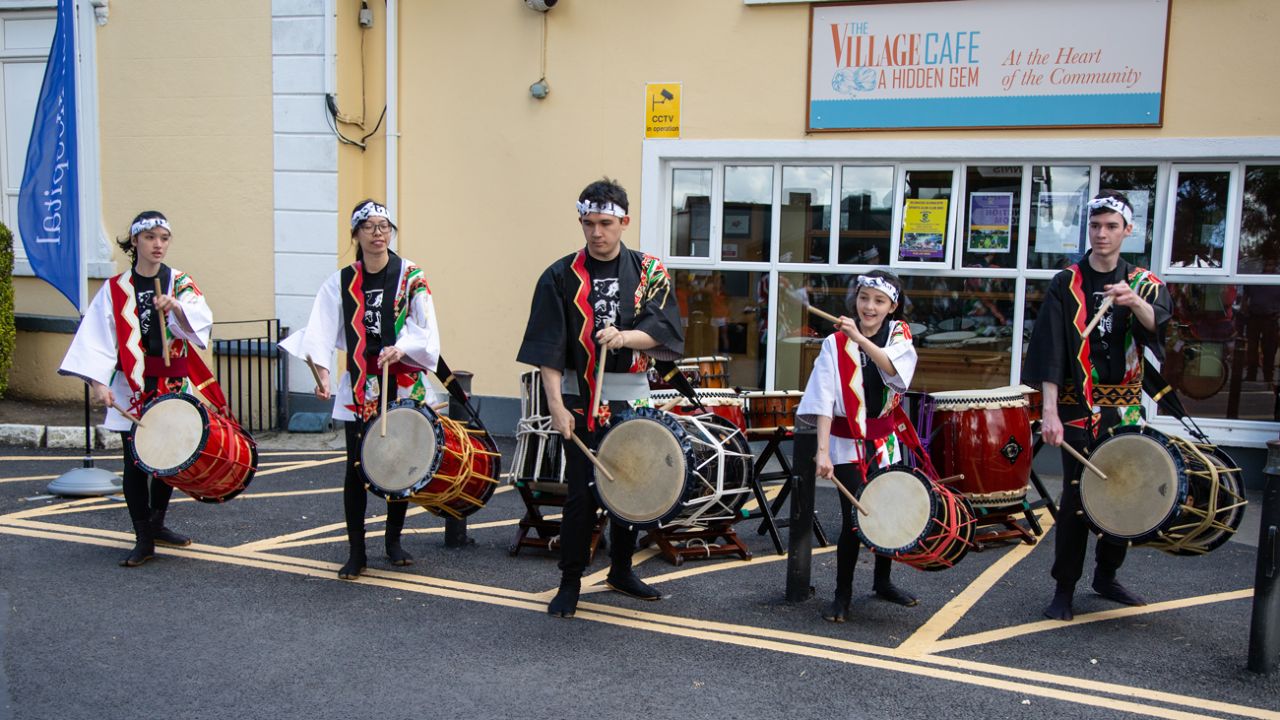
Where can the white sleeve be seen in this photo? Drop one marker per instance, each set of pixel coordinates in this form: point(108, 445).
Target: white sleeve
point(93, 354)
point(903, 356)
point(199, 316)
point(820, 394)
point(420, 336)
point(323, 332)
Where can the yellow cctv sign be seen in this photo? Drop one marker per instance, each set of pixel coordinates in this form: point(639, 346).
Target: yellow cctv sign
point(662, 110)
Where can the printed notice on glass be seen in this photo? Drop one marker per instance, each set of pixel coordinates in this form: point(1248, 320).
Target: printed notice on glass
point(1060, 222)
point(924, 230)
point(1140, 201)
point(990, 222)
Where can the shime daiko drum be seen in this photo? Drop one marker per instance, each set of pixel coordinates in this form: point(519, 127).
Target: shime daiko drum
point(986, 436)
point(913, 519)
point(204, 454)
point(726, 403)
point(1163, 491)
point(428, 459)
point(672, 470)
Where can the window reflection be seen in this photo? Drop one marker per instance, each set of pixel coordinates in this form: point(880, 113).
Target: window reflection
point(804, 234)
point(1138, 185)
point(1260, 221)
point(1059, 203)
point(724, 314)
point(748, 213)
point(866, 213)
point(1220, 350)
point(1200, 220)
point(691, 212)
point(991, 216)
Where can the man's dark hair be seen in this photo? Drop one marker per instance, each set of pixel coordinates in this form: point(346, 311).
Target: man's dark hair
point(604, 191)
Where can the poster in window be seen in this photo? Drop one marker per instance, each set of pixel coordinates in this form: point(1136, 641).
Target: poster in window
point(1140, 201)
point(1060, 222)
point(990, 222)
point(924, 230)
point(737, 222)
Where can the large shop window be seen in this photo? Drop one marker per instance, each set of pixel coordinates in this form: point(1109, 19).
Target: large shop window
point(1059, 210)
point(924, 236)
point(805, 231)
point(748, 214)
point(691, 213)
point(1260, 222)
point(724, 313)
point(1220, 352)
point(866, 215)
point(1199, 216)
point(992, 209)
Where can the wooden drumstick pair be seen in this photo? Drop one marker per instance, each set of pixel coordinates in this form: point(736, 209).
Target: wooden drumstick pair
point(600, 363)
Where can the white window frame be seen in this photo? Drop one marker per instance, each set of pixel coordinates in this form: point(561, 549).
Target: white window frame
point(900, 209)
point(1230, 241)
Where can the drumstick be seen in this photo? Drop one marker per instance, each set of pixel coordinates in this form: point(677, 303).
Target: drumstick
point(1081, 459)
point(668, 405)
point(951, 479)
point(128, 415)
point(385, 368)
point(852, 500)
point(604, 353)
point(1102, 309)
point(823, 314)
point(164, 331)
point(315, 372)
point(592, 457)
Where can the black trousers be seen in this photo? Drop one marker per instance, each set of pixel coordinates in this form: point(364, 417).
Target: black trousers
point(580, 505)
point(1073, 530)
point(354, 497)
point(847, 547)
point(142, 493)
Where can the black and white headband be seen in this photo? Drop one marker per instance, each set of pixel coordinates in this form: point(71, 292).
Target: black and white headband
point(586, 207)
point(879, 283)
point(146, 224)
point(1113, 204)
point(368, 210)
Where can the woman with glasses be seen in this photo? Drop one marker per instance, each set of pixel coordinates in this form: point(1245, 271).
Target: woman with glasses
point(376, 312)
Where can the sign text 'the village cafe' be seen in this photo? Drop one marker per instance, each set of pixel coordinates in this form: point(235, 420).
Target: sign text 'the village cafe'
point(986, 63)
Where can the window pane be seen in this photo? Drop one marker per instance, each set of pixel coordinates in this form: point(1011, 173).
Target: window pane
point(1200, 219)
point(866, 212)
point(961, 328)
point(722, 314)
point(1260, 222)
point(991, 216)
point(1059, 201)
point(1221, 349)
point(1139, 185)
point(691, 213)
point(805, 232)
point(748, 213)
point(926, 243)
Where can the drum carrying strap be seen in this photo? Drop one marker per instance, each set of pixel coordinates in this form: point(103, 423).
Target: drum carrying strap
point(895, 423)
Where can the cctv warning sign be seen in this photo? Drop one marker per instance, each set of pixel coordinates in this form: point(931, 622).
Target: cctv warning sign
point(662, 110)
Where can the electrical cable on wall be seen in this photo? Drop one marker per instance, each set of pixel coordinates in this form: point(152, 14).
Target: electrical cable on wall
point(334, 116)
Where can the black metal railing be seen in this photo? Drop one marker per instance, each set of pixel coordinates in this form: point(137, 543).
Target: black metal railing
point(252, 373)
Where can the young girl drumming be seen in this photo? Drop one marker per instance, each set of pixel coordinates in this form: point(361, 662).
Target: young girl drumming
point(119, 349)
point(380, 304)
point(857, 381)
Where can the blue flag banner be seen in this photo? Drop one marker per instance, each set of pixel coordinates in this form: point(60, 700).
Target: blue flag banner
point(48, 202)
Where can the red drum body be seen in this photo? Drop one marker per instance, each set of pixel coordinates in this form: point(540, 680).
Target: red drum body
point(768, 411)
point(203, 454)
point(723, 403)
point(986, 436)
point(913, 519)
point(428, 459)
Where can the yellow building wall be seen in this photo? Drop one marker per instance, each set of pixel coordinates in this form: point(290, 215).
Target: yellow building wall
point(185, 128)
point(489, 175)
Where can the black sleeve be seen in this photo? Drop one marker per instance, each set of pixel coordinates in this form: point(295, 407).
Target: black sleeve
point(659, 316)
point(1047, 351)
point(544, 335)
point(1162, 304)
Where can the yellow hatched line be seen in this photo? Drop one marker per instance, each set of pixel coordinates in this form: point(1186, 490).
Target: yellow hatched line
point(923, 640)
point(828, 649)
point(407, 531)
point(29, 478)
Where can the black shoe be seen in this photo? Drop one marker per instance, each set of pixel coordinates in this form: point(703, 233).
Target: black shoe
point(631, 585)
point(1112, 590)
point(565, 603)
point(163, 535)
point(356, 563)
point(144, 547)
point(838, 610)
point(398, 555)
point(895, 594)
point(1060, 607)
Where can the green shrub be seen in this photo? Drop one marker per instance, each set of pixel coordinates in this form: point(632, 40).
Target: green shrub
point(6, 306)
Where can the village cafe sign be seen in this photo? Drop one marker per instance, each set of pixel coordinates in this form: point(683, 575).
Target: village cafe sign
point(987, 63)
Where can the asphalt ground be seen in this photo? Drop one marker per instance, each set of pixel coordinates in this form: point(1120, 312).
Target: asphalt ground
point(252, 622)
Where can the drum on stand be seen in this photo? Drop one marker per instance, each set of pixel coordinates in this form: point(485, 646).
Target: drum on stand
point(768, 411)
point(986, 436)
point(1180, 497)
point(672, 470)
point(726, 403)
point(428, 459)
point(713, 371)
point(204, 454)
point(690, 372)
point(913, 519)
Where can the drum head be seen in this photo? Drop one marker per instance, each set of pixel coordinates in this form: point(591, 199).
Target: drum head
point(648, 467)
point(406, 456)
point(1141, 488)
point(899, 507)
point(171, 433)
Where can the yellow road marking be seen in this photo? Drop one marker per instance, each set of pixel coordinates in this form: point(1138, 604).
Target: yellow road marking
point(999, 634)
point(654, 623)
point(922, 640)
point(63, 458)
point(733, 564)
point(593, 583)
point(407, 531)
point(28, 478)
